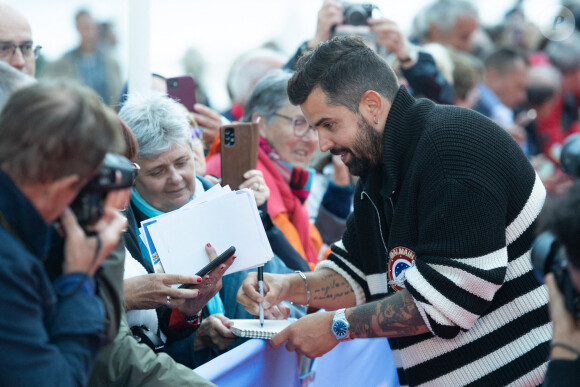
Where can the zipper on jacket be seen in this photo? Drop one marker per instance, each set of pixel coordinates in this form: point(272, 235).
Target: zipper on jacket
point(379, 219)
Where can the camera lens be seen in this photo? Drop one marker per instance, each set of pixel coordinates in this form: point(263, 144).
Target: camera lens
point(355, 15)
point(173, 84)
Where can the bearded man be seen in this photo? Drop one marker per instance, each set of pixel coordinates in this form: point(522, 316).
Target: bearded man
point(435, 256)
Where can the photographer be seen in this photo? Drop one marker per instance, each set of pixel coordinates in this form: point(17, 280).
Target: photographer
point(52, 330)
point(564, 223)
point(418, 68)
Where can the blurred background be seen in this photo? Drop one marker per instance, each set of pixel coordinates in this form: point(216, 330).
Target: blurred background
point(215, 32)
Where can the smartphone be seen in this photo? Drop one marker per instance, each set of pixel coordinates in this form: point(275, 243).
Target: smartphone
point(182, 89)
point(213, 264)
point(239, 151)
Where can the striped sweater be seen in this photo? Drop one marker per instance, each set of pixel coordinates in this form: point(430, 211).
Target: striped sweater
point(450, 216)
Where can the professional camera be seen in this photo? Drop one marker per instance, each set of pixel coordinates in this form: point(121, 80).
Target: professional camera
point(356, 14)
point(116, 172)
point(548, 257)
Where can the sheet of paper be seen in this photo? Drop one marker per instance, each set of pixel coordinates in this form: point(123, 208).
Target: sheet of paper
point(180, 236)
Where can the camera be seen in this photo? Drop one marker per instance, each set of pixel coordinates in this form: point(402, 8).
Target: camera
point(116, 172)
point(570, 156)
point(548, 257)
point(356, 14)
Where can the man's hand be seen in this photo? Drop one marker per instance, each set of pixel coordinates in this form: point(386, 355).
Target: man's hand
point(83, 253)
point(390, 37)
point(275, 286)
point(331, 14)
point(214, 332)
point(210, 285)
point(566, 329)
point(311, 335)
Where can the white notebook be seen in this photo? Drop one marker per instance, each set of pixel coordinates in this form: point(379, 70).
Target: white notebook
point(251, 328)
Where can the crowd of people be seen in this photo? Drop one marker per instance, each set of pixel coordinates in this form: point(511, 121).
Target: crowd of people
point(400, 180)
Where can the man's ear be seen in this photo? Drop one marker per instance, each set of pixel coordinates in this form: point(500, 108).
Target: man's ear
point(261, 121)
point(371, 105)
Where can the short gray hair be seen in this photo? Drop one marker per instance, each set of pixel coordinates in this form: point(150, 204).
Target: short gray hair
point(11, 80)
point(442, 13)
point(157, 121)
point(268, 96)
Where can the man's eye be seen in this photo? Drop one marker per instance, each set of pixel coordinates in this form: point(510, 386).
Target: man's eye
point(5, 48)
point(26, 48)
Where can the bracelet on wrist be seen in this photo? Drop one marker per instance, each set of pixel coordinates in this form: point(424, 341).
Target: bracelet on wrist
point(301, 274)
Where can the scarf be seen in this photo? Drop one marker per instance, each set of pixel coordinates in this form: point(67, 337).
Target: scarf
point(215, 305)
point(298, 179)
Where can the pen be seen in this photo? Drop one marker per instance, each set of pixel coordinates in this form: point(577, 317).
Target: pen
point(261, 289)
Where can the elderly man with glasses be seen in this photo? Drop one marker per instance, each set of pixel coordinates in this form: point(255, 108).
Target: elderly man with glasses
point(16, 45)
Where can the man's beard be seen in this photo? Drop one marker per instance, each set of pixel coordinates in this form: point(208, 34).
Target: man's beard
point(368, 147)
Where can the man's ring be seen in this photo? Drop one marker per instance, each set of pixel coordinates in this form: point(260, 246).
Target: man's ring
point(168, 302)
point(259, 186)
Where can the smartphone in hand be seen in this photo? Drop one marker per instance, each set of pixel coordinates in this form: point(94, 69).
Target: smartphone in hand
point(238, 151)
point(182, 89)
point(213, 264)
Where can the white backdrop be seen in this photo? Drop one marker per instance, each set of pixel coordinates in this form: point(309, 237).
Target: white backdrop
point(220, 29)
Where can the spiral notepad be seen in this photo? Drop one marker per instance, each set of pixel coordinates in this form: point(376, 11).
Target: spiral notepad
point(251, 328)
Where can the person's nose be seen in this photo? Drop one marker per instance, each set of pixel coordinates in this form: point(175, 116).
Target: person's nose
point(324, 142)
point(17, 59)
point(174, 176)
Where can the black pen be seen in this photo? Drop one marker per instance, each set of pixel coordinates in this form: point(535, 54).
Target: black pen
point(261, 290)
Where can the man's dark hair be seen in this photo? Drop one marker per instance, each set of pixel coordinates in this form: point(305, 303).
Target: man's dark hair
point(562, 218)
point(344, 68)
point(504, 59)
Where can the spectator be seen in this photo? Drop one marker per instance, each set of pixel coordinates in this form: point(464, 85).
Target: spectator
point(166, 182)
point(503, 89)
point(55, 325)
point(286, 146)
point(449, 22)
point(244, 73)
point(16, 45)
point(563, 119)
point(88, 62)
point(467, 73)
point(442, 191)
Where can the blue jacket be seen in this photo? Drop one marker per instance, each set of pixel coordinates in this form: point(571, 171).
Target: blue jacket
point(49, 335)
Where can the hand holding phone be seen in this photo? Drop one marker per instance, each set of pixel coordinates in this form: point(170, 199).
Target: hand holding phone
point(213, 264)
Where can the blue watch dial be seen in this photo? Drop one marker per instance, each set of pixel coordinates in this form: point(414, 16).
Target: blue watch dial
point(340, 328)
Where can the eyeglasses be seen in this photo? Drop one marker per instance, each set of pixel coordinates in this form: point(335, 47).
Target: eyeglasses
point(299, 125)
point(7, 50)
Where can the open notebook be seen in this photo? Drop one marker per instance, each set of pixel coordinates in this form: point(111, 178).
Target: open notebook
point(251, 328)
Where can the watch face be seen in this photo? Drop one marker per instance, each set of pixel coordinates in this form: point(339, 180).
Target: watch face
point(340, 328)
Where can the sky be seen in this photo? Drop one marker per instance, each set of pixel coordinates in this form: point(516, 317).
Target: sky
point(220, 30)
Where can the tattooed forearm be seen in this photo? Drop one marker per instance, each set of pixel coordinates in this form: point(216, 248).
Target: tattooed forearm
point(330, 290)
point(394, 316)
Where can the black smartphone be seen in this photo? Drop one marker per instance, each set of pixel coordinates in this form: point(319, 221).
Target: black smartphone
point(213, 264)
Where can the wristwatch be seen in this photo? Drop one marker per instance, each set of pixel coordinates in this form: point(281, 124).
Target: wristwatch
point(340, 326)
